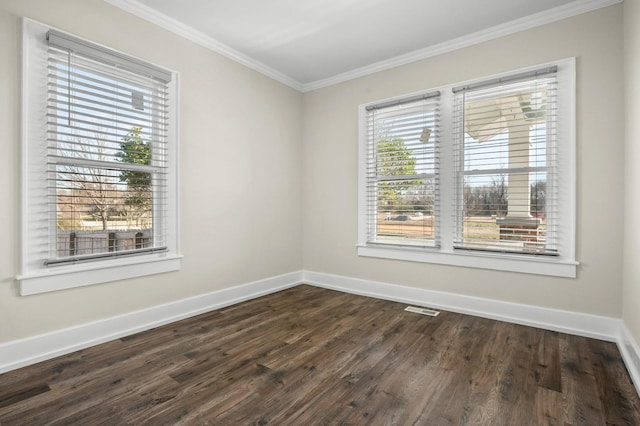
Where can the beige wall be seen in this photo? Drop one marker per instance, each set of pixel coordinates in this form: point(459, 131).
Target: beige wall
point(330, 159)
point(249, 188)
point(631, 292)
point(240, 174)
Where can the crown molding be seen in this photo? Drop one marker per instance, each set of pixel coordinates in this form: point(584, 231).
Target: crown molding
point(148, 14)
point(542, 18)
point(569, 10)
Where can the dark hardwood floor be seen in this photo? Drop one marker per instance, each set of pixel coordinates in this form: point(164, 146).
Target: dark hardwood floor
point(314, 356)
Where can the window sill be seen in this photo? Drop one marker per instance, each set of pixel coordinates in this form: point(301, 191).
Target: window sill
point(71, 276)
point(499, 262)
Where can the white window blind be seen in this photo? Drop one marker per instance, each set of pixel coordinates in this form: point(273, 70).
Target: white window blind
point(106, 120)
point(506, 164)
point(402, 171)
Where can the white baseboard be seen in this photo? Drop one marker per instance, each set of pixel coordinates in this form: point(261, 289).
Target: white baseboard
point(598, 327)
point(630, 354)
point(576, 323)
point(23, 352)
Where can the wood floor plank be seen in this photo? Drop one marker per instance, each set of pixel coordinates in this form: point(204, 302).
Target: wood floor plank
point(494, 357)
point(308, 355)
point(349, 346)
point(360, 376)
point(518, 398)
point(95, 389)
point(547, 370)
point(460, 354)
point(578, 382)
point(15, 395)
point(610, 373)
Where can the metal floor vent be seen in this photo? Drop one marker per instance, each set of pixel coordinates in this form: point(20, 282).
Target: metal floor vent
point(423, 311)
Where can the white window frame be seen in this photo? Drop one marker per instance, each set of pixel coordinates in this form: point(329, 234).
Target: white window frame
point(36, 276)
point(563, 265)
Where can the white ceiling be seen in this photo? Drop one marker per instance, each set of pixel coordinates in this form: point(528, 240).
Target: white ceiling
point(313, 43)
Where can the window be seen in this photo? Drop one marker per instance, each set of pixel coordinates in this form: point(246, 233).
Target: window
point(402, 166)
point(99, 164)
point(506, 135)
point(479, 174)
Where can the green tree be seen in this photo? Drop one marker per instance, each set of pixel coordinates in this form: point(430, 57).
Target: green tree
point(395, 159)
point(136, 150)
